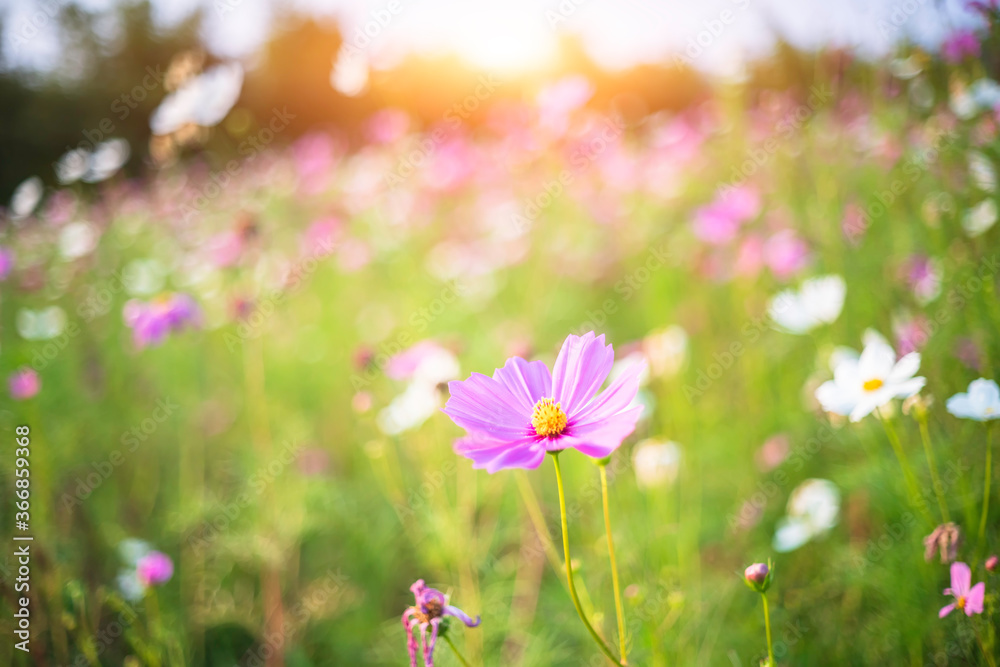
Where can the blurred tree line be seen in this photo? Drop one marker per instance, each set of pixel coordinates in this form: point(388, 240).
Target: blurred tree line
point(108, 87)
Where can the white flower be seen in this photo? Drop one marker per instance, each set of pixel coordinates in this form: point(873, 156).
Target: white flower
point(860, 386)
point(203, 100)
point(982, 403)
point(812, 511)
point(818, 301)
point(980, 217)
point(349, 75)
point(656, 463)
point(26, 197)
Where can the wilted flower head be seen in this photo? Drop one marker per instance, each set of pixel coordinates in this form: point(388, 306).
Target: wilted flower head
point(152, 321)
point(430, 608)
point(524, 410)
point(945, 539)
point(967, 598)
point(23, 384)
point(862, 385)
point(981, 402)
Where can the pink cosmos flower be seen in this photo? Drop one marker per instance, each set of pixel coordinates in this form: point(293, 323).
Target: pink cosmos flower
point(429, 610)
point(24, 384)
point(515, 417)
point(154, 568)
point(970, 600)
point(152, 321)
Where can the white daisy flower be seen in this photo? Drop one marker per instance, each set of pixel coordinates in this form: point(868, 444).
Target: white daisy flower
point(812, 510)
point(982, 402)
point(819, 301)
point(861, 386)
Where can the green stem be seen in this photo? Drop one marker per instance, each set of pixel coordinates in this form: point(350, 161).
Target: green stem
point(619, 609)
point(458, 654)
point(767, 629)
point(911, 481)
point(982, 647)
point(986, 485)
point(932, 464)
point(569, 566)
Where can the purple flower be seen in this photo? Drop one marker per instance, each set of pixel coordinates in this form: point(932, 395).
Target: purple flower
point(24, 384)
point(430, 608)
point(970, 600)
point(524, 411)
point(152, 321)
point(960, 45)
point(154, 568)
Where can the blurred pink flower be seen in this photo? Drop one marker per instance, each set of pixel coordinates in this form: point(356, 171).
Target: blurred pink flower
point(154, 568)
point(321, 236)
point(911, 334)
point(924, 278)
point(786, 254)
point(855, 223)
point(960, 45)
point(225, 249)
point(152, 321)
point(558, 100)
point(23, 383)
point(387, 125)
point(719, 221)
point(750, 257)
point(967, 351)
point(6, 262)
point(772, 452)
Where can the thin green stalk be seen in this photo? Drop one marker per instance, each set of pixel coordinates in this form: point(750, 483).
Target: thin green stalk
point(982, 647)
point(458, 654)
point(986, 485)
point(569, 567)
point(911, 480)
point(619, 608)
point(767, 629)
point(932, 464)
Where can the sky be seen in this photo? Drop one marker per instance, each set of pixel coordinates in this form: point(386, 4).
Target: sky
point(716, 36)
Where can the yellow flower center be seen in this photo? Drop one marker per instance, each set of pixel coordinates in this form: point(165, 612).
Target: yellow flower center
point(873, 384)
point(548, 418)
point(961, 603)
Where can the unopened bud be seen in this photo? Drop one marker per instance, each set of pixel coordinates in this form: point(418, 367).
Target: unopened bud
point(991, 563)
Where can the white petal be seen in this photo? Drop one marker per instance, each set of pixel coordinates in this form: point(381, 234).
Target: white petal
point(905, 368)
point(790, 534)
point(960, 406)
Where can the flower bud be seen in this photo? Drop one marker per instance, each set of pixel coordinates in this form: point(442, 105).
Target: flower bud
point(758, 576)
point(756, 573)
point(991, 563)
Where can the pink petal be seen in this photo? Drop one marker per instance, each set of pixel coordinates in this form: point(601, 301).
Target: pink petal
point(496, 455)
point(527, 381)
point(581, 368)
point(601, 438)
point(615, 398)
point(946, 610)
point(485, 405)
point(974, 600)
point(961, 579)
